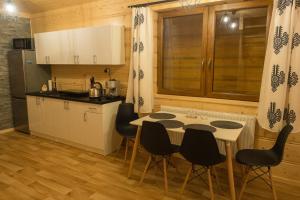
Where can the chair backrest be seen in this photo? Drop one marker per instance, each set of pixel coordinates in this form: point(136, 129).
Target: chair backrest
point(200, 147)
point(125, 114)
point(279, 145)
point(155, 139)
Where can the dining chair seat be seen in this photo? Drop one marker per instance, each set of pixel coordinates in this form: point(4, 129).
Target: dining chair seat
point(257, 157)
point(127, 130)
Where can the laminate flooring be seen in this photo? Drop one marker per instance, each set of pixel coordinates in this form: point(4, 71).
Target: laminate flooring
point(32, 168)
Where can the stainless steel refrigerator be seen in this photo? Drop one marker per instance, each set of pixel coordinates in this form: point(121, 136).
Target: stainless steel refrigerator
point(25, 76)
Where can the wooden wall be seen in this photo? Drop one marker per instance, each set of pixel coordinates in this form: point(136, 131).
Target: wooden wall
point(116, 11)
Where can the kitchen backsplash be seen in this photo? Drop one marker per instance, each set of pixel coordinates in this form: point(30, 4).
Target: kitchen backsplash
point(10, 27)
point(71, 77)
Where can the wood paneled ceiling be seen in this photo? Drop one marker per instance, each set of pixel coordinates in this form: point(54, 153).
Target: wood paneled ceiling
point(36, 6)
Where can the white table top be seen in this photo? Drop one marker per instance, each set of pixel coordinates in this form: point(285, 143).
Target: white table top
point(230, 135)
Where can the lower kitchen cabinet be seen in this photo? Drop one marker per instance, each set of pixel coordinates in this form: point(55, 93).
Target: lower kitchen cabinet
point(84, 125)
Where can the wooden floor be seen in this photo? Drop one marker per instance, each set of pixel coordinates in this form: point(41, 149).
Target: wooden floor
point(35, 168)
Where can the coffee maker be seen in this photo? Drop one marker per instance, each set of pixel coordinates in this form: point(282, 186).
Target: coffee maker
point(113, 87)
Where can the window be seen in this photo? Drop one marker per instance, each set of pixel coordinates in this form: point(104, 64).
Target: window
point(215, 51)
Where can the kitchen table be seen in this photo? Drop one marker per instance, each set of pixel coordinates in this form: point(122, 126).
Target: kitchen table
point(227, 135)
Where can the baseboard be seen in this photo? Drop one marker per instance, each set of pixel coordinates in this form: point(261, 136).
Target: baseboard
point(7, 130)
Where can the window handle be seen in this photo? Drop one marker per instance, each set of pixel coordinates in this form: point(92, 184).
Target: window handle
point(209, 63)
point(202, 65)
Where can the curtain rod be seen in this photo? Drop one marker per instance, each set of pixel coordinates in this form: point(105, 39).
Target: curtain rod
point(150, 3)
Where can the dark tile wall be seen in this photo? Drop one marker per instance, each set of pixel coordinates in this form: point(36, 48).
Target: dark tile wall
point(10, 27)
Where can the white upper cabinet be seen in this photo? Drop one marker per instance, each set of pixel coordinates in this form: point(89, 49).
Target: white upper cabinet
point(46, 44)
point(103, 45)
point(109, 45)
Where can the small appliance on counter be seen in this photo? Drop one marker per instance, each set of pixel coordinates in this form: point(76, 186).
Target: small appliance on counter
point(96, 89)
point(113, 87)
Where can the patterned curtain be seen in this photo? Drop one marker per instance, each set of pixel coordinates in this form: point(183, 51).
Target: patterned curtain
point(280, 91)
point(140, 82)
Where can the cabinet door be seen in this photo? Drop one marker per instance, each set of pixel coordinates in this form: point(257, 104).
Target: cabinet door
point(48, 116)
point(117, 45)
point(54, 118)
point(83, 46)
point(109, 45)
point(102, 36)
point(93, 130)
point(34, 113)
point(40, 48)
point(47, 48)
point(86, 127)
point(76, 117)
point(66, 53)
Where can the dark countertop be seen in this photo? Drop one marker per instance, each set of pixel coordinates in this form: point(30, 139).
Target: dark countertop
point(83, 99)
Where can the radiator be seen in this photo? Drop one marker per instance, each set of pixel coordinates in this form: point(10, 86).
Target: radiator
point(246, 139)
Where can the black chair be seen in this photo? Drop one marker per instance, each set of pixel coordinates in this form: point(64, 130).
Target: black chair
point(155, 140)
point(124, 116)
point(200, 148)
point(256, 160)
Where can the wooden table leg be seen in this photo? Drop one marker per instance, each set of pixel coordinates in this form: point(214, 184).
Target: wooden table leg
point(135, 148)
point(230, 170)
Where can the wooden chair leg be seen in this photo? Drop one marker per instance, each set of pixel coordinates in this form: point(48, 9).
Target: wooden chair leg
point(212, 196)
point(174, 163)
point(186, 179)
point(126, 149)
point(244, 185)
point(146, 169)
point(217, 178)
point(272, 184)
point(119, 149)
point(165, 174)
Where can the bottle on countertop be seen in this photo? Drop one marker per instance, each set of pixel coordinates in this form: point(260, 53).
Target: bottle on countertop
point(50, 85)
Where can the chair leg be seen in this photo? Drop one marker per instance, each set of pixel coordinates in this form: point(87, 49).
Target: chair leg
point(212, 196)
point(217, 178)
point(244, 185)
point(165, 174)
point(174, 163)
point(272, 184)
point(186, 179)
point(146, 169)
point(126, 149)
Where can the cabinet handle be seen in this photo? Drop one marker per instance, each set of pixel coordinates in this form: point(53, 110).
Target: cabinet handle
point(95, 59)
point(37, 101)
point(46, 59)
point(77, 59)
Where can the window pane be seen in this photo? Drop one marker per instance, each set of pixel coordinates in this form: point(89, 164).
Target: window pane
point(240, 44)
point(182, 52)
